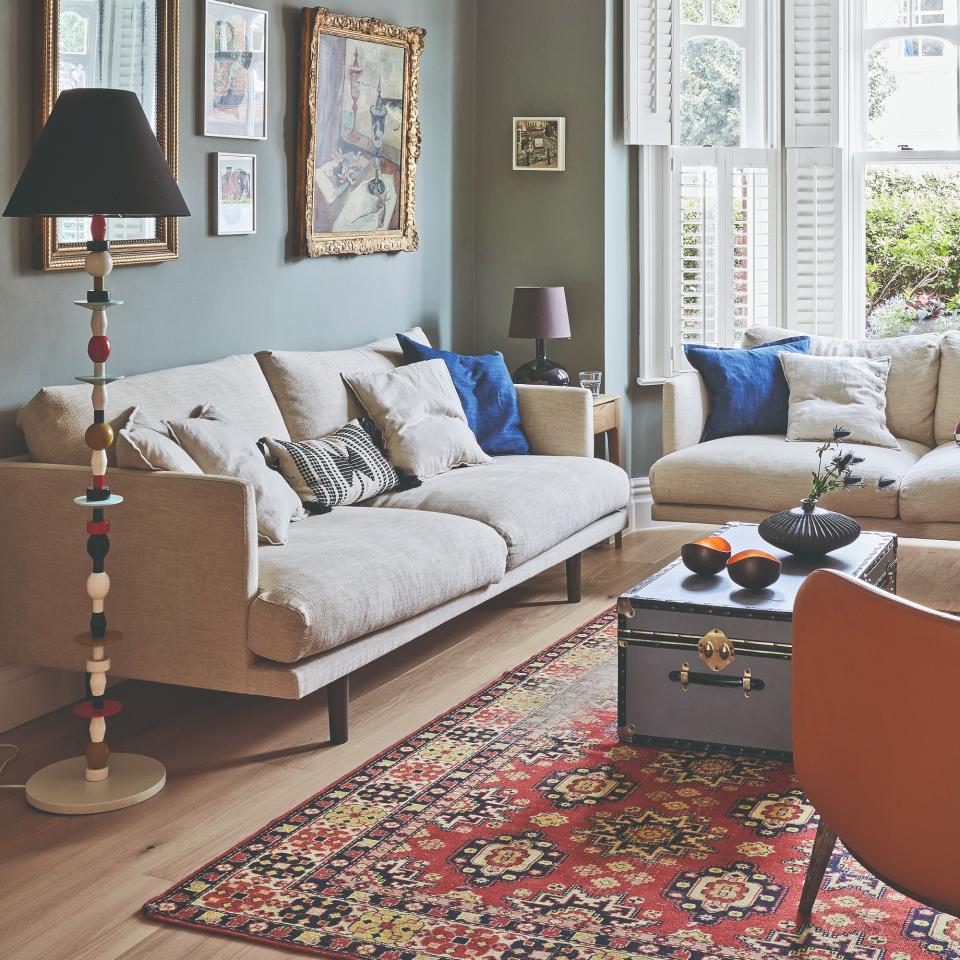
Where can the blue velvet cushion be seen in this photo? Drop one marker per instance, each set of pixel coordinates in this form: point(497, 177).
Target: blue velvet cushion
point(747, 389)
point(487, 393)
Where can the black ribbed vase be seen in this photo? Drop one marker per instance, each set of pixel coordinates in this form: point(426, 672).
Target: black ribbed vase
point(808, 530)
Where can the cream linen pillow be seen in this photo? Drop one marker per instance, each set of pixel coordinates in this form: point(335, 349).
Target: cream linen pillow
point(148, 444)
point(417, 409)
point(222, 449)
point(828, 392)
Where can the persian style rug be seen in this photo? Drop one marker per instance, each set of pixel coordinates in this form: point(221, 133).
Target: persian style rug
point(517, 827)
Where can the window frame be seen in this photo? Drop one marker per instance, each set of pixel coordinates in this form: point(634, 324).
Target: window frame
point(860, 155)
point(661, 354)
point(725, 160)
point(749, 37)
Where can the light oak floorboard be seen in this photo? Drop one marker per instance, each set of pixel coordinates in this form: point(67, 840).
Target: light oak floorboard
point(71, 887)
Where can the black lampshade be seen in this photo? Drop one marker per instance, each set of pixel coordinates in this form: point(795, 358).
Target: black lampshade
point(97, 154)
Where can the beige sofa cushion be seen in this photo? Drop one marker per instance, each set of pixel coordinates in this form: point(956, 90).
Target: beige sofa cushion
point(931, 489)
point(830, 392)
point(532, 502)
point(147, 444)
point(768, 473)
point(948, 399)
point(54, 421)
point(309, 387)
point(914, 373)
point(221, 450)
point(425, 431)
point(348, 573)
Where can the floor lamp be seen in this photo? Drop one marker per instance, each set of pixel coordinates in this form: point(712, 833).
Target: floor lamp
point(97, 157)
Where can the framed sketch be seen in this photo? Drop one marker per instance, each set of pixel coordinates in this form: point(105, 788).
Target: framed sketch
point(234, 71)
point(236, 193)
point(359, 135)
point(539, 143)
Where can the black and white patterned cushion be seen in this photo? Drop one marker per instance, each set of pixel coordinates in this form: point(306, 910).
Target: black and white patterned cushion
point(343, 468)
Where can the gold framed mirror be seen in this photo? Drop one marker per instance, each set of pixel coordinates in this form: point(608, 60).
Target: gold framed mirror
point(127, 44)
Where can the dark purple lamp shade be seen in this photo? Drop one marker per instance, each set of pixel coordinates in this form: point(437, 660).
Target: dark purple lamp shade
point(540, 313)
point(97, 155)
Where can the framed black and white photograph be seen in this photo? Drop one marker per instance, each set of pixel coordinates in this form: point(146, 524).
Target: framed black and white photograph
point(236, 193)
point(539, 143)
point(234, 71)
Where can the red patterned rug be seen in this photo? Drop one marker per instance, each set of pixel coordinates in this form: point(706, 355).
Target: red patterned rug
point(516, 827)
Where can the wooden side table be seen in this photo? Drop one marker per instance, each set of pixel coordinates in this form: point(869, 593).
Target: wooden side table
point(606, 433)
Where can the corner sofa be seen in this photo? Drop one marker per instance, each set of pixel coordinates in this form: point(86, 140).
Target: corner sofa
point(201, 603)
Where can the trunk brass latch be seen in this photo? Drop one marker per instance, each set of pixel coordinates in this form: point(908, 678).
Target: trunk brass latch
point(715, 650)
point(684, 676)
point(747, 683)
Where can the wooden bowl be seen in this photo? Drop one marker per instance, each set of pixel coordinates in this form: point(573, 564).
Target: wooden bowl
point(707, 556)
point(753, 569)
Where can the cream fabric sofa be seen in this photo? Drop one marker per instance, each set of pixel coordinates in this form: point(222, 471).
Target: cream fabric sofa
point(749, 477)
point(201, 603)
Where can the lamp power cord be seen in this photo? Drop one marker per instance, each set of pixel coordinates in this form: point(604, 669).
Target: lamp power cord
point(13, 756)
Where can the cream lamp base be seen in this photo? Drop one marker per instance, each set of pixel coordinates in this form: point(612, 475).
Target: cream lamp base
point(62, 787)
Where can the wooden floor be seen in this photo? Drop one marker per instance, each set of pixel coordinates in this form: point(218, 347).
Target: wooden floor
point(71, 887)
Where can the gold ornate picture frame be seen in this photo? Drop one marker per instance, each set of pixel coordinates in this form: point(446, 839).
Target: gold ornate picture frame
point(65, 53)
point(359, 135)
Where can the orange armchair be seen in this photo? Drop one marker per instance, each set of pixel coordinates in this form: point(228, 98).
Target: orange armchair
point(876, 735)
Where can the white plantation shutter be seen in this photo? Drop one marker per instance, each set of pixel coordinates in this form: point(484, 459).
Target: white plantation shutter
point(648, 71)
point(697, 259)
point(724, 205)
point(753, 185)
point(812, 73)
point(814, 258)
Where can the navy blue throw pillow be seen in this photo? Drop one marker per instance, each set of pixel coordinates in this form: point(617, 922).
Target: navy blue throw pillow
point(487, 393)
point(747, 389)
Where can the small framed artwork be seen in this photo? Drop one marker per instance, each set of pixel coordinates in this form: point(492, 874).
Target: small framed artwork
point(539, 143)
point(236, 193)
point(234, 71)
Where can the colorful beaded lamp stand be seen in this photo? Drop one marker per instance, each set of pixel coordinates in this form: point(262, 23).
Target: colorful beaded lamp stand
point(97, 782)
point(98, 156)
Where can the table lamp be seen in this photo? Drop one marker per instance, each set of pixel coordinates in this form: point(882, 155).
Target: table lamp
point(97, 156)
point(540, 313)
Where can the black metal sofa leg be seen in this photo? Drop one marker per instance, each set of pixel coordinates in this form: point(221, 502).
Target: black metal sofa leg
point(338, 702)
point(573, 578)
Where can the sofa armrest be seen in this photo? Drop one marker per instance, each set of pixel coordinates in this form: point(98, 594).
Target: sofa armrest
point(182, 566)
point(685, 409)
point(558, 421)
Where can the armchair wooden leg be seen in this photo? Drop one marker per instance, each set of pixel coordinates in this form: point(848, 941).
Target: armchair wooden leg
point(338, 700)
point(573, 578)
point(823, 846)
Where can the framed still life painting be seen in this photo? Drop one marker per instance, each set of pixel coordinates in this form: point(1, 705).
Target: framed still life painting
point(234, 71)
point(359, 135)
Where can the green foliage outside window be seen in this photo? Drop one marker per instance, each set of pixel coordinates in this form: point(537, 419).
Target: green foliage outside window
point(912, 251)
point(711, 72)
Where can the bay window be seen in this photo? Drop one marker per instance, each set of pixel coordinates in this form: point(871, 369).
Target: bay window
point(799, 166)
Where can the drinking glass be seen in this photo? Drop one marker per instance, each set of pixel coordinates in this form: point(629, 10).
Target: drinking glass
point(591, 380)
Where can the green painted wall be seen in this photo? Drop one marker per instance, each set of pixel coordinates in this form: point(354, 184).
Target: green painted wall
point(484, 228)
point(239, 294)
point(577, 228)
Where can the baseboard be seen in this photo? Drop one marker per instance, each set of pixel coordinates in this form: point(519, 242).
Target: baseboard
point(641, 502)
point(27, 692)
